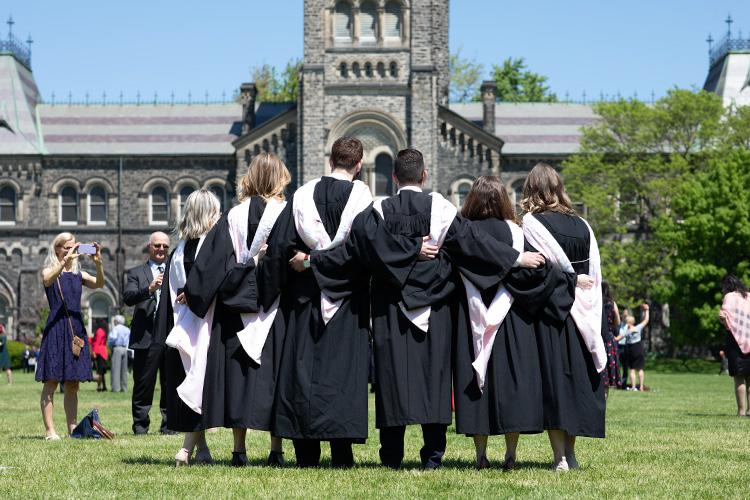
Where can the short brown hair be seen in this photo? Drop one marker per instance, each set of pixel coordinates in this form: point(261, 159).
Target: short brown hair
point(267, 177)
point(544, 191)
point(409, 166)
point(346, 152)
point(488, 199)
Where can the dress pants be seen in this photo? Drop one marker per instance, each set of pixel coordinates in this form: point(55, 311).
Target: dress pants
point(307, 452)
point(431, 454)
point(119, 373)
point(146, 364)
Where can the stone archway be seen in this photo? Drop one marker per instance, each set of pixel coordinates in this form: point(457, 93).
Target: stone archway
point(382, 137)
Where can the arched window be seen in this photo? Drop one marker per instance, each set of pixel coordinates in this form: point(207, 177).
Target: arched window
point(394, 69)
point(343, 70)
point(220, 194)
point(184, 193)
point(368, 70)
point(355, 70)
point(342, 23)
point(97, 205)
point(383, 178)
point(392, 27)
point(381, 70)
point(462, 192)
point(159, 206)
point(7, 205)
point(68, 205)
point(368, 24)
point(100, 306)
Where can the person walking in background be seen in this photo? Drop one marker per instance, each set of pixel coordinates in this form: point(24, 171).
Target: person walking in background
point(118, 342)
point(142, 289)
point(621, 329)
point(26, 358)
point(99, 355)
point(735, 316)
point(634, 348)
point(5, 355)
point(64, 356)
point(610, 335)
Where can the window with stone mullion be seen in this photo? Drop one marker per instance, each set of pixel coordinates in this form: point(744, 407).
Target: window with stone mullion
point(7, 204)
point(68, 205)
point(368, 23)
point(98, 205)
point(342, 22)
point(392, 25)
point(159, 206)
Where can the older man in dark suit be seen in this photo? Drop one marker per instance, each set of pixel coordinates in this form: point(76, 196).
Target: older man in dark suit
point(142, 289)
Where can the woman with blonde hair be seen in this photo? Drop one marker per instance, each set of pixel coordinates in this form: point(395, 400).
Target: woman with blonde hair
point(244, 351)
point(64, 356)
point(568, 332)
point(186, 354)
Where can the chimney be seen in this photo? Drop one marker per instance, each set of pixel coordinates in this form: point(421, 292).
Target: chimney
point(489, 94)
point(248, 92)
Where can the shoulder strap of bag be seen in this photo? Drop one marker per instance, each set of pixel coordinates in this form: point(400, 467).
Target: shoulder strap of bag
point(65, 306)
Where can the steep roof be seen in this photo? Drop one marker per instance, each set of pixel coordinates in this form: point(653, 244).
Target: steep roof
point(534, 128)
point(19, 126)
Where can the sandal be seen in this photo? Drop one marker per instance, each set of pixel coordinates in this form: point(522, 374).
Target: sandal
point(52, 437)
point(182, 459)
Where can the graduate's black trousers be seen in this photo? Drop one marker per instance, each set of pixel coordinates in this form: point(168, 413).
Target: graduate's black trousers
point(307, 452)
point(431, 454)
point(146, 364)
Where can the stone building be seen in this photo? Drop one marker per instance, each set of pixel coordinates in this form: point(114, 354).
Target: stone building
point(114, 172)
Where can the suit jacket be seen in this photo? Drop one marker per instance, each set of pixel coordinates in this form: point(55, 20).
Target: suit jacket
point(135, 293)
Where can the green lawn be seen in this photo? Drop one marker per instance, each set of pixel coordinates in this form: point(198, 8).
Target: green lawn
point(679, 440)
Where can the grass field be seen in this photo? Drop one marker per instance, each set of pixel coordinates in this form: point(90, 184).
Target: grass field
point(680, 440)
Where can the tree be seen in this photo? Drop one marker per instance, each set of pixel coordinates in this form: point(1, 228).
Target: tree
point(465, 76)
point(274, 88)
point(516, 84)
point(656, 181)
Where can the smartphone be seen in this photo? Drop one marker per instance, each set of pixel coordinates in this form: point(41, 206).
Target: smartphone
point(86, 249)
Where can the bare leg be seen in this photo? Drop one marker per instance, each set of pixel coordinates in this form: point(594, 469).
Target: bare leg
point(9, 372)
point(606, 392)
point(641, 379)
point(480, 445)
point(190, 440)
point(570, 451)
point(632, 378)
point(747, 406)
point(557, 441)
point(277, 444)
point(70, 402)
point(48, 407)
point(740, 391)
point(511, 445)
point(239, 440)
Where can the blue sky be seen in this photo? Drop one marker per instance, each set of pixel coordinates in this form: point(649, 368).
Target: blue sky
point(193, 45)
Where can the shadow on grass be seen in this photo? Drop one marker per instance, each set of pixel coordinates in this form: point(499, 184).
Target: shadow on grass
point(161, 462)
point(714, 415)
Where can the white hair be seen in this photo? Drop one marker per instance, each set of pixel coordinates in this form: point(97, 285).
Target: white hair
point(202, 210)
point(51, 259)
point(119, 319)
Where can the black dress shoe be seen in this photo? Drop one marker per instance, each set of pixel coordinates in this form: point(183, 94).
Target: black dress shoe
point(239, 459)
point(275, 459)
point(140, 432)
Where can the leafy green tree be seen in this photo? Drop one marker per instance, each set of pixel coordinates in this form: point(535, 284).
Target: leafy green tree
point(465, 76)
point(655, 181)
point(273, 87)
point(516, 84)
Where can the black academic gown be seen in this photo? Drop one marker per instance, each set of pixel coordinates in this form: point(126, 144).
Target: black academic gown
point(413, 368)
point(512, 397)
point(573, 391)
point(237, 393)
point(180, 417)
point(322, 383)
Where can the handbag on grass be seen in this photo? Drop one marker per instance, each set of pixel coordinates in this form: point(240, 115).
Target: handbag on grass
point(77, 343)
point(91, 427)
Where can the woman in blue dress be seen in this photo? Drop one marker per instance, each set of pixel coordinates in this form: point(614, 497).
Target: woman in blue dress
point(63, 281)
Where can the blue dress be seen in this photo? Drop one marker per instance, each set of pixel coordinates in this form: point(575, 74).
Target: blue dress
point(56, 360)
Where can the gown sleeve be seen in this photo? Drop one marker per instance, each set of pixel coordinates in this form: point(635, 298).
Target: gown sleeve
point(273, 269)
point(484, 261)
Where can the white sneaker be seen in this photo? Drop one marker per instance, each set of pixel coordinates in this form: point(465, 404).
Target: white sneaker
point(561, 466)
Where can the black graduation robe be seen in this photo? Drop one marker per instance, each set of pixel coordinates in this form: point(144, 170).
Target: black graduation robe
point(322, 383)
point(180, 417)
point(237, 393)
point(573, 391)
point(413, 368)
point(512, 397)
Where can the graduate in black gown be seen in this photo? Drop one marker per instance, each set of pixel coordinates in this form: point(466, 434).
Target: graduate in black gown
point(413, 304)
point(201, 212)
point(242, 365)
point(510, 401)
point(322, 383)
point(571, 350)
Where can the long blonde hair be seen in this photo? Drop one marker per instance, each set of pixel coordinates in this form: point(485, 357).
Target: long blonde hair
point(52, 260)
point(544, 191)
point(202, 210)
point(267, 177)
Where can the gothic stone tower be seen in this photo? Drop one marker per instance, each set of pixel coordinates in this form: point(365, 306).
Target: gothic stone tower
point(376, 70)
